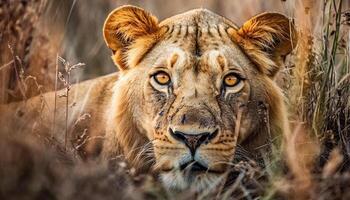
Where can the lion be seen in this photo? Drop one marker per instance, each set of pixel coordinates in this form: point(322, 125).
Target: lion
point(191, 92)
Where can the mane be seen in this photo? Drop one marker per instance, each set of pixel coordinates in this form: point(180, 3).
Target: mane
point(124, 135)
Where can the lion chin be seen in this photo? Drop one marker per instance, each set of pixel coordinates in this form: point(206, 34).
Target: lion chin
point(197, 181)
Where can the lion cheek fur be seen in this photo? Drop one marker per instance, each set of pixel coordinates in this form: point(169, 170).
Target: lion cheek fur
point(124, 133)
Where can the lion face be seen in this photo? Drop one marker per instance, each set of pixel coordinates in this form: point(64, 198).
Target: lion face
point(193, 88)
point(194, 103)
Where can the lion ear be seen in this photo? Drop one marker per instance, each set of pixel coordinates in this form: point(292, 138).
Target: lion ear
point(267, 38)
point(123, 27)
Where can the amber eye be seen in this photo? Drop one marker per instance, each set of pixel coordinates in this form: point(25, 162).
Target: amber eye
point(162, 78)
point(231, 80)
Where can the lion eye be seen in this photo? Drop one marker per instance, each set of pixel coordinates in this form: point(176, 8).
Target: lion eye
point(231, 80)
point(162, 78)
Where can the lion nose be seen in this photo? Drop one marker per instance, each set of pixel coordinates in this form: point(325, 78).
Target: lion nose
point(193, 141)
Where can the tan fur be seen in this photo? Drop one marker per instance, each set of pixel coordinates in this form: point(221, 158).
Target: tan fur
point(135, 114)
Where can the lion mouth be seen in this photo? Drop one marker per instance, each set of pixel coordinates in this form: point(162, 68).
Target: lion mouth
point(190, 174)
point(193, 166)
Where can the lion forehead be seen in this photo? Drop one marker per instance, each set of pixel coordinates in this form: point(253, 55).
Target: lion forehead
point(197, 34)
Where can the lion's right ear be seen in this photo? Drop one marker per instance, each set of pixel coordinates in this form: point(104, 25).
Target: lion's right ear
point(123, 27)
point(267, 38)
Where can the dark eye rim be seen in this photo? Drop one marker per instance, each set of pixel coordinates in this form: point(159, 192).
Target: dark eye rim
point(158, 72)
point(239, 79)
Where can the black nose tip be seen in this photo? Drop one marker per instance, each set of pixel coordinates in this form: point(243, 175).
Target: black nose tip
point(193, 141)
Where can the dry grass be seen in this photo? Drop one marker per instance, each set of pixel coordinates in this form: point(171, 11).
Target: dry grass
point(314, 161)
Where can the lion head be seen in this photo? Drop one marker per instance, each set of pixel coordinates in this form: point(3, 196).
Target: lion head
point(193, 89)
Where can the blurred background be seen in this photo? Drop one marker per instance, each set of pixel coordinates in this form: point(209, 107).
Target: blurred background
point(38, 38)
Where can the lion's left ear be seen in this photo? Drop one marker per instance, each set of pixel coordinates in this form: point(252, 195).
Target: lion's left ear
point(123, 27)
point(267, 38)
